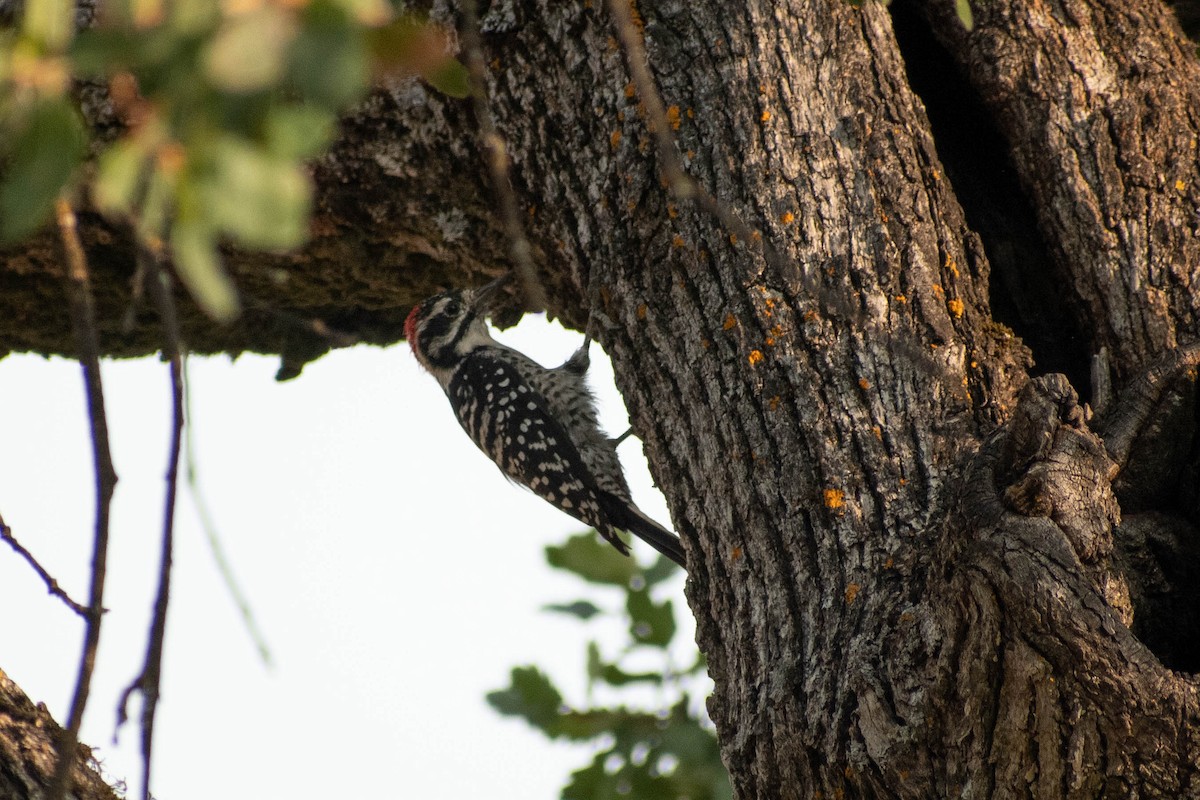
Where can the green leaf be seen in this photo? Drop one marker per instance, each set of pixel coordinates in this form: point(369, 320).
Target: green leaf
point(581, 726)
point(963, 8)
point(615, 676)
point(686, 739)
point(369, 12)
point(599, 781)
point(194, 246)
point(413, 45)
point(43, 152)
point(260, 199)
point(50, 22)
point(155, 214)
point(583, 609)
point(452, 78)
point(531, 696)
point(595, 664)
point(249, 51)
point(195, 17)
point(329, 59)
point(660, 570)
point(592, 782)
point(98, 51)
point(118, 172)
point(649, 623)
point(612, 674)
point(592, 559)
point(299, 131)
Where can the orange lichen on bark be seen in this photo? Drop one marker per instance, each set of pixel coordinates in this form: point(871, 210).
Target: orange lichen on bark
point(951, 265)
point(956, 307)
point(673, 117)
point(755, 357)
point(834, 498)
point(852, 592)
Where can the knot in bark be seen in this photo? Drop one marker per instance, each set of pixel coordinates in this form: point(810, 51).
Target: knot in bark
point(1054, 466)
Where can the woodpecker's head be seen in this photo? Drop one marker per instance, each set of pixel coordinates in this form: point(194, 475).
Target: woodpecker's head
point(446, 327)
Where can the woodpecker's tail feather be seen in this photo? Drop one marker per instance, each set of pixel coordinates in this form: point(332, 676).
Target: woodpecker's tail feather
point(654, 535)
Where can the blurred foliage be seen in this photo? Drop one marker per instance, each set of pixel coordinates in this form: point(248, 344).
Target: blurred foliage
point(963, 9)
point(667, 753)
point(222, 102)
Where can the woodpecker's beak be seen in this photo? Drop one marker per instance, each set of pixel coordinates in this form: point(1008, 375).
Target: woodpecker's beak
point(483, 297)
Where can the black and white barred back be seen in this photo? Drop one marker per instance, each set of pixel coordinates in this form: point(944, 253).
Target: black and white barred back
point(538, 425)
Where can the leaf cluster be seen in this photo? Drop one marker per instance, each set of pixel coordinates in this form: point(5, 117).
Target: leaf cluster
point(221, 106)
point(668, 752)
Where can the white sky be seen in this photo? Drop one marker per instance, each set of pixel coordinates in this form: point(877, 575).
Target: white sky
point(397, 576)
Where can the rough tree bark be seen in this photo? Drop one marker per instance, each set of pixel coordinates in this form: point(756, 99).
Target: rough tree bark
point(916, 572)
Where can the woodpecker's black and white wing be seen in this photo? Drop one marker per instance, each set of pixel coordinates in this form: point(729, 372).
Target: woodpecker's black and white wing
point(511, 422)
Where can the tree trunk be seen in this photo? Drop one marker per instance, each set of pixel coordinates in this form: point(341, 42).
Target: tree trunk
point(915, 571)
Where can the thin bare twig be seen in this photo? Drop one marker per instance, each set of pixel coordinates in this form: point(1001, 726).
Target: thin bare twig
point(51, 584)
point(210, 530)
point(137, 288)
point(496, 153)
point(83, 323)
point(679, 183)
point(149, 681)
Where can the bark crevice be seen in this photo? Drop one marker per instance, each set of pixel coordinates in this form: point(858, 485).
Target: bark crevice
point(1023, 289)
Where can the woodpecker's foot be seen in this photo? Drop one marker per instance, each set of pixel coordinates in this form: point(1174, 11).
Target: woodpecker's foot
point(580, 360)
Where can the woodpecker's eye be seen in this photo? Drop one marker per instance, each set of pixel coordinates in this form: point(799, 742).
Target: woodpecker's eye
point(453, 307)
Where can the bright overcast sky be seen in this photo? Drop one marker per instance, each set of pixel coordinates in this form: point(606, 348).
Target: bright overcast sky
point(396, 575)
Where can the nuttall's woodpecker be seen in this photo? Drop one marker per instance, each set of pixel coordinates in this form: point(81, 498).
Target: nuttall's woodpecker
point(539, 425)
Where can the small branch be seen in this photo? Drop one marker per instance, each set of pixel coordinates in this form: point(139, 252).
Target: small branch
point(51, 584)
point(148, 682)
point(679, 183)
point(210, 530)
point(496, 152)
point(83, 323)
